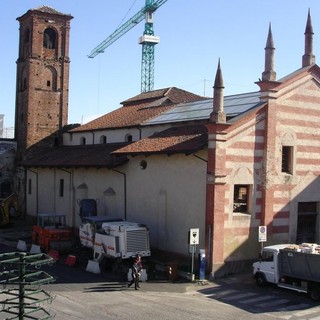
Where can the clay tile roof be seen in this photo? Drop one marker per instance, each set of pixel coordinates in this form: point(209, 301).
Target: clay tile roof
point(172, 94)
point(44, 9)
point(139, 109)
point(97, 156)
point(184, 139)
point(47, 9)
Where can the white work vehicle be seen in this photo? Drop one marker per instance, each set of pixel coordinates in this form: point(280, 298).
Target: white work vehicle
point(115, 239)
point(295, 267)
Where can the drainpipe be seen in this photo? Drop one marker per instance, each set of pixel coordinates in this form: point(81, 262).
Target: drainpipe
point(125, 191)
point(37, 191)
point(140, 133)
point(24, 200)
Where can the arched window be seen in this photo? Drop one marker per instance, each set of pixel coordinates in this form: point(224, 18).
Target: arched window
point(49, 39)
point(128, 138)
point(49, 78)
point(83, 141)
point(103, 139)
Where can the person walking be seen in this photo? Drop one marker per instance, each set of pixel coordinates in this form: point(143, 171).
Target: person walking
point(135, 272)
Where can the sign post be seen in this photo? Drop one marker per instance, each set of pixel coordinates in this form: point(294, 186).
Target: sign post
point(262, 235)
point(193, 241)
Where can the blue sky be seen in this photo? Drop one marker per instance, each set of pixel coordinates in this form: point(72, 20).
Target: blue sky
point(194, 34)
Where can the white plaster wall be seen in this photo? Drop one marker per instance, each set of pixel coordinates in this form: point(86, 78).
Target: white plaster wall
point(45, 198)
point(113, 136)
point(169, 197)
point(40, 199)
point(99, 182)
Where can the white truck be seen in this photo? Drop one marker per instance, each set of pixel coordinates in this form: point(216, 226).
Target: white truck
point(115, 239)
point(295, 267)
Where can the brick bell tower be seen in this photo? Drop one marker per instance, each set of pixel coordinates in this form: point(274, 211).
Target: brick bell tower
point(42, 87)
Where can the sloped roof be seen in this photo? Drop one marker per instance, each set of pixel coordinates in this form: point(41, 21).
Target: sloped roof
point(172, 94)
point(77, 156)
point(234, 105)
point(45, 9)
point(182, 139)
point(191, 138)
point(137, 110)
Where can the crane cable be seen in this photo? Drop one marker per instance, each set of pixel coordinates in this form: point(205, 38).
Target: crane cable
point(127, 13)
point(99, 64)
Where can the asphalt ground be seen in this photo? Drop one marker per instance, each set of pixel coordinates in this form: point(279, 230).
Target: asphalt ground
point(112, 277)
point(115, 276)
point(79, 294)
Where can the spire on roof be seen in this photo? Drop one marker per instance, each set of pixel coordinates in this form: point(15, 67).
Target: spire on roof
point(218, 114)
point(308, 58)
point(269, 74)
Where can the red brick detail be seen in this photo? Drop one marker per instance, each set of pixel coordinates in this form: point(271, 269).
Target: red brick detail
point(215, 194)
point(282, 215)
point(42, 77)
point(280, 229)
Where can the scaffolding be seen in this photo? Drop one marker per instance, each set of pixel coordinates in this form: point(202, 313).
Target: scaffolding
point(21, 278)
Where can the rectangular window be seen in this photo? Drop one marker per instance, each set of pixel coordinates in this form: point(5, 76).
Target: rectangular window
point(48, 83)
point(287, 155)
point(29, 186)
point(240, 198)
point(61, 187)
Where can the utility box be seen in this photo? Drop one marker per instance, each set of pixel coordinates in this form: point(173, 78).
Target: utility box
point(202, 265)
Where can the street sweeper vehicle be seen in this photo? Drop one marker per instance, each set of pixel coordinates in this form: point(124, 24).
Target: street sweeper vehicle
point(295, 267)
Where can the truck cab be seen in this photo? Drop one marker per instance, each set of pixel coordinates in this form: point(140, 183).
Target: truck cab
point(290, 266)
point(266, 269)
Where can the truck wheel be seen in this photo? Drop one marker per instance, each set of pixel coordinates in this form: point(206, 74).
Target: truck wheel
point(315, 293)
point(261, 280)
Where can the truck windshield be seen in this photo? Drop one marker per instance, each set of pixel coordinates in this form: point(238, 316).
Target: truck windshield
point(266, 256)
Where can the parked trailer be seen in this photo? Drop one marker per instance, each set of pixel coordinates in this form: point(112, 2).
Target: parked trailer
point(295, 267)
point(115, 239)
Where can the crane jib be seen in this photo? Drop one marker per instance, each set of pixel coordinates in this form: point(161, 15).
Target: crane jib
point(128, 25)
point(147, 65)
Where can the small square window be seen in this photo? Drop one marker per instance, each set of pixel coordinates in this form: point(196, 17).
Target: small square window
point(240, 198)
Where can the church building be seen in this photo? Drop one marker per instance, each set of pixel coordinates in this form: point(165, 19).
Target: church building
point(231, 166)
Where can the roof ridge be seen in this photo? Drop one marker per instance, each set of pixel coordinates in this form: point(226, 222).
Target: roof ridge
point(48, 9)
point(168, 91)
